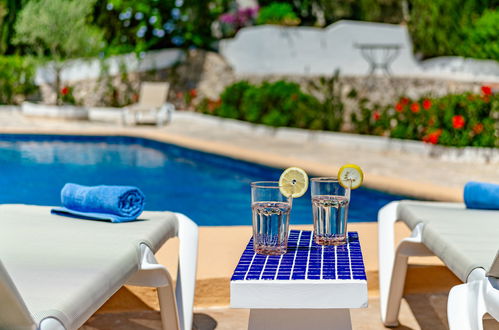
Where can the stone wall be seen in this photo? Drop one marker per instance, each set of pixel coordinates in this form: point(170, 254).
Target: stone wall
point(209, 73)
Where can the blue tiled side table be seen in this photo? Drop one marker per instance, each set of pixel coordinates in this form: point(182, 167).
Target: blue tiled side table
point(310, 287)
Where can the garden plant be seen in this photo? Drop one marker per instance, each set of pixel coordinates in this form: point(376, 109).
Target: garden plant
point(460, 120)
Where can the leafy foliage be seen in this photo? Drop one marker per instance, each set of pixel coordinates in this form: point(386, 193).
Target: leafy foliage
point(437, 27)
point(482, 38)
point(324, 12)
point(9, 10)
point(279, 103)
point(460, 120)
point(140, 25)
point(277, 13)
point(16, 79)
point(455, 120)
point(232, 99)
point(330, 112)
point(58, 28)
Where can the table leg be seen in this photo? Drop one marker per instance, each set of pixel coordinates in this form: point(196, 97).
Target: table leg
point(299, 319)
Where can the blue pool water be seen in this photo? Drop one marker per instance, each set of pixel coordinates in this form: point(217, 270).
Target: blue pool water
point(210, 189)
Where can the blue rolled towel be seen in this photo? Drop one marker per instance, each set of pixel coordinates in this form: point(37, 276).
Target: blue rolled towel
point(111, 203)
point(481, 195)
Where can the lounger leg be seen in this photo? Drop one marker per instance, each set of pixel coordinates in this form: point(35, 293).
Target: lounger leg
point(51, 323)
point(393, 266)
point(186, 276)
point(469, 302)
point(387, 216)
point(168, 307)
point(157, 276)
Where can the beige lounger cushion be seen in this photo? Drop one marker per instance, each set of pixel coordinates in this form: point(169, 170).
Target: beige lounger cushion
point(13, 312)
point(463, 238)
point(67, 268)
point(415, 212)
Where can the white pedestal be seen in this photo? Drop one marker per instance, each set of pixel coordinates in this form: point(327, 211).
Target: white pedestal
point(299, 319)
point(310, 288)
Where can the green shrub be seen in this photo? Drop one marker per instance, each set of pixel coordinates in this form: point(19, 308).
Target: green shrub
point(232, 99)
point(277, 13)
point(370, 119)
point(329, 114)
point(437, 27)
point(16, 79)
point(279, 103)
point(482, 38)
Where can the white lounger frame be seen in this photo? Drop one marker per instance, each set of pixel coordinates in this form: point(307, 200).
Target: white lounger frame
point(467, 303)
point(176, 306)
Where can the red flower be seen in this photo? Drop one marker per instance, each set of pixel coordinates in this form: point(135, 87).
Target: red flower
point(180, 95)
point(404, 101)
point(376, 116)
point(193, 92)
point(433, 137)
point(64, 91)
point(486, 90)
point(399, 107)
point(458, 121)
point(478, 128)
point(415, 107)
point(426, 104)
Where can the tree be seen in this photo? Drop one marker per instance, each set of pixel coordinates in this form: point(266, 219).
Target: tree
point(58, 30)
point(8, 13)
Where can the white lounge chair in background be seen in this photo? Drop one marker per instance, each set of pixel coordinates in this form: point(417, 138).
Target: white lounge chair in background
point(152, 107)
point(466, 240)
point(55, 272)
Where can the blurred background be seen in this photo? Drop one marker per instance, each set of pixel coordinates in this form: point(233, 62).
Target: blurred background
point(410, 69)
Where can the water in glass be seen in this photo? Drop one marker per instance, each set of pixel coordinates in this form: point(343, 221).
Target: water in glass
point(270, 227)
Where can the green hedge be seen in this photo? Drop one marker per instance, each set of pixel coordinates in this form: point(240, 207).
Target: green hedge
point(482, 38)
point(454, 120)
point(278, 103)
point(16, 79)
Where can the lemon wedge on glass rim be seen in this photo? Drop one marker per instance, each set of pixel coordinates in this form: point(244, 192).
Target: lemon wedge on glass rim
point(350, 176)
point(293, 182)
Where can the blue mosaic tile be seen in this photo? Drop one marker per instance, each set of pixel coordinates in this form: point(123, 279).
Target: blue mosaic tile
point(305, 260)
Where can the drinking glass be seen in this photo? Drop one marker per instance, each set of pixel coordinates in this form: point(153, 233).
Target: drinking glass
point(330, 210)
point(270, 209)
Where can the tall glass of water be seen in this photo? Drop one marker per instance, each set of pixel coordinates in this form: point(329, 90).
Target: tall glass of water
point(330, 211)
point(270, 209)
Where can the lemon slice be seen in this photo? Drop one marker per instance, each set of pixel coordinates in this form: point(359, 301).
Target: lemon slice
point(350, 176)
point(293, 182)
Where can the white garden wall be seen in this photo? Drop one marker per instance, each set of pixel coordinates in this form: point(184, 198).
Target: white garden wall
point(78, 70)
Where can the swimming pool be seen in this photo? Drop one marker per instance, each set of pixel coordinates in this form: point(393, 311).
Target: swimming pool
point(210, 189)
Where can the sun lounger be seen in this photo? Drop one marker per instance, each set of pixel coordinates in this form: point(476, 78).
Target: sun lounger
point(151, 107)
point(466, 240)
point(57, 271)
